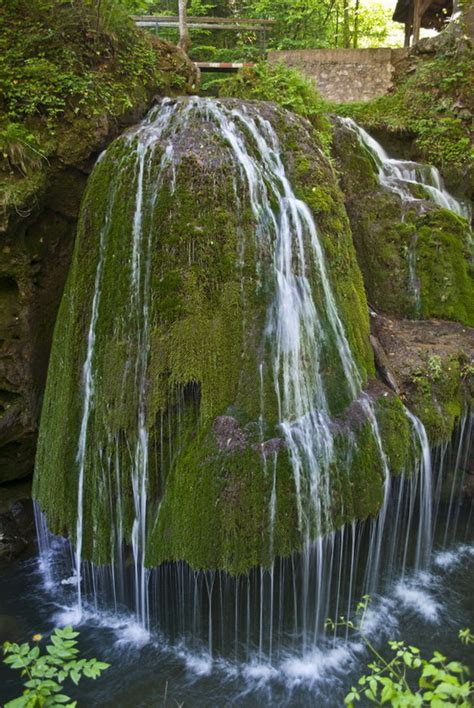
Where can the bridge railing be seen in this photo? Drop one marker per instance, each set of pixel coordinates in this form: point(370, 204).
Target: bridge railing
point(261, 26)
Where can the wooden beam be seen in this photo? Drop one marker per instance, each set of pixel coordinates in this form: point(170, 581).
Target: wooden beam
point(206, 20)
point(222, 66)
point(195, 25)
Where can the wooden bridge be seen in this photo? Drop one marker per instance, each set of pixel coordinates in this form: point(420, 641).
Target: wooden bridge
point(259, 26)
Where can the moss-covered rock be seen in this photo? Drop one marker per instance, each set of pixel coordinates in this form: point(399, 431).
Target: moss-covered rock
point(416, 258)
point(221, 487)
point(432, 363)
point(430, 106)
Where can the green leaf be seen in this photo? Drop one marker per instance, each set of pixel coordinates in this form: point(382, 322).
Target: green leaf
point(387, 693)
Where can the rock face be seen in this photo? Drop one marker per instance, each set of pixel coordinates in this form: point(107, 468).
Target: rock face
point(38, 218)
point(35, 255)
point(431, 362)
point(17, 524)
point(416, 259)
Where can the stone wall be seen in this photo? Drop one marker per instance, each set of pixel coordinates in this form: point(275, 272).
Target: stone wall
point(344, 75)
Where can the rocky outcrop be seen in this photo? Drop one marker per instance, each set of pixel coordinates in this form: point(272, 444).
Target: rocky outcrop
point(432, 364)
point(241, 373)
point(416, 257)
point(430, 106)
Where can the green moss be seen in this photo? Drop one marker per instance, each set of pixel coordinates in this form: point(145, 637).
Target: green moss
point(389, 236)
point(440, 393)
point(286, 87)
point(444, 263)
point(217, 508)
point(396, 433)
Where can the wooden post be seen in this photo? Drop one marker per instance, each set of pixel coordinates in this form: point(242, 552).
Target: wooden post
point(408, 28)
point(416, 21)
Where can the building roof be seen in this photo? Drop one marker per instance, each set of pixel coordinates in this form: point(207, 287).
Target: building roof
point(433, 17)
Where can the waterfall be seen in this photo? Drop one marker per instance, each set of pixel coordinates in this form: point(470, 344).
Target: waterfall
point(294, 322)
point(399, 176)
point(123, 467)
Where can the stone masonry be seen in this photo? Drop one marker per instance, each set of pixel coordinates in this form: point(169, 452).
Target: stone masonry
point(344, 75)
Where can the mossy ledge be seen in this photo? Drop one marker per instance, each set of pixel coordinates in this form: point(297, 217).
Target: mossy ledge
point(212, 413)
point(432, 363)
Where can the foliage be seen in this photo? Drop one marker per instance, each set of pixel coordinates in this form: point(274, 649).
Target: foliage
point(405, 679)
point(285, 86)
point(47, 672)
point(19, 147)
point(79, 67)
point(301, 24)
point(74, 61)
point(71, 58)
point(431, 102)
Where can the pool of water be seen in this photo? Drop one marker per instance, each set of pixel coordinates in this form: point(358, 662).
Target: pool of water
point(426, 608)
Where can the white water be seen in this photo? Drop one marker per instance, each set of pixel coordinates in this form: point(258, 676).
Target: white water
point(295, 321)
point(400, 175)
point(88, 393)
point(146, 139)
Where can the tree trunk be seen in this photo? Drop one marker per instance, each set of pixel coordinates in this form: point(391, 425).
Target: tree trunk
point(416, 21)
point(184, 39)
point(345, 25)
point(356, 25)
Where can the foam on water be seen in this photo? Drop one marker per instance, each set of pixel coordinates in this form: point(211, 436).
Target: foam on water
point(380, 618)
point(262, 673)
point(320, 664)
point(448, 560)
point(199, 664)
point(419, 601)
point(126, 629)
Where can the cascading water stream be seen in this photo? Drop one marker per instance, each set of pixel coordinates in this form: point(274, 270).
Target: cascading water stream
point(400, 175)
point(294, 323)
point(405, 179)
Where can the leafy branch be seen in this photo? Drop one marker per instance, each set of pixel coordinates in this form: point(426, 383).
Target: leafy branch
point(405, 678)
point(46, 673)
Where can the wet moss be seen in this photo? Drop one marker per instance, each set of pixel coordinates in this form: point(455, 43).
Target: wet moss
point(416, 258)
point(445, 266)
point(440, 393)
